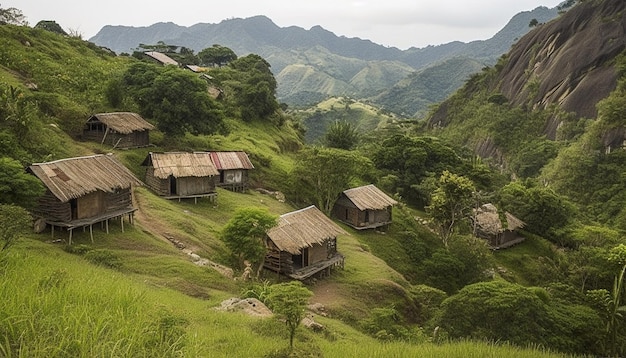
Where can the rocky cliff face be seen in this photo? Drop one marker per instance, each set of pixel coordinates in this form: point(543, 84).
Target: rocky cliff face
point(568, 61)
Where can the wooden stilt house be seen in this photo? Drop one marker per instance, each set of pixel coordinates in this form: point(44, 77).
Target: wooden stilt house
point(84, 191)
point(365, 207)
point(179, 175)
point(118, 129)
point(303, 244)
point(233, 168)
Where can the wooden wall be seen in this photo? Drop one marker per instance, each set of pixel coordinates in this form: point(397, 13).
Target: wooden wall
point(134, 139)
point(159, 186)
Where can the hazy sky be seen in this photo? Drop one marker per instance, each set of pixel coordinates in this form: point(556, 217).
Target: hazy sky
point(399, 23)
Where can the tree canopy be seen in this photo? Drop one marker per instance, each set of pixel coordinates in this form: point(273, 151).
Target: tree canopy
point(321, 174)
point(451, 202)
point(176, 99)
point(216, 55)
point(245, 232)
point(289, 300)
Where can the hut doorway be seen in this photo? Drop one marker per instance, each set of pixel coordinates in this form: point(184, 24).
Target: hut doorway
point(301, 260)
point(173, 185)
point(74, 208)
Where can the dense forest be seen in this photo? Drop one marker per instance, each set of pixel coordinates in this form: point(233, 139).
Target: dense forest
point(431, 284)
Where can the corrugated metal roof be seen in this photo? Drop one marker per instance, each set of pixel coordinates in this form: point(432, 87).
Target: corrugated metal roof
point(72, 178)
point(231, 160)
point(369, 197)
point(122, 122)
point(181, 164)
point(303, 228)
point(161, 57)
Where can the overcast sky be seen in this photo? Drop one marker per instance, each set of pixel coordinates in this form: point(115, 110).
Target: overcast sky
point(399, 23)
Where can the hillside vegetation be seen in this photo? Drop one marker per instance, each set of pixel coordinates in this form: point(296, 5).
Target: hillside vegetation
point(425, 286)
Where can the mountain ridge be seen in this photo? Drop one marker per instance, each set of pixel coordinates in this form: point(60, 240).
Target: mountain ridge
point(293, 45)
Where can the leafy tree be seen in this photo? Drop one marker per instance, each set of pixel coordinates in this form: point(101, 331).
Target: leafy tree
point(244, 235)
point(17, 111)
point(611, 304)
point(533, 23)
point(14, 221)
point(321, 174)
point(544, 211)
point(416, 161)
point(289, 301)
point(16, 186)
point(341, 135)
point(217, 55)
point(502, 311)
point(176, 99)
point(13, 16)
point(450, 203)
point(256, 92)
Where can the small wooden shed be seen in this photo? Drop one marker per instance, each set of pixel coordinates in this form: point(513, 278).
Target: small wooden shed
point(365, 207)
point(83, 191)
point(233, 168)
point(303, 243)
point(118, 129)
point(488, 226)
point(179, 175)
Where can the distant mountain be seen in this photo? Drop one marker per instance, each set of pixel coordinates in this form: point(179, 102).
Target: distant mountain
point(316, 63)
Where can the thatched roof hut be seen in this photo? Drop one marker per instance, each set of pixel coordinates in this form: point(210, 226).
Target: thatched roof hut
point(84, 190)
point(487, 225)
point(233, 168)
point(73, 178)
point(303, 243)
point(181, 174)
point(364, 207)
point(118, 129)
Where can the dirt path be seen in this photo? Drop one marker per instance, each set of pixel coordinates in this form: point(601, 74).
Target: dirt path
point(156, 228)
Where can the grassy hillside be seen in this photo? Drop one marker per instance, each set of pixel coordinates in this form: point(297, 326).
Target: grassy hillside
point(141, 293)
point(365, 117)
point(135, 294)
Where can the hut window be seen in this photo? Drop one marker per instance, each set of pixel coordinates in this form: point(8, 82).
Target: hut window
point(367, 216)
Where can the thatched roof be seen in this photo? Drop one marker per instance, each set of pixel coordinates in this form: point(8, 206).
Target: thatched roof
point(72, 178)
point(369, 197)
point(303, 228)
point(122, 122)
point(161, 57)
point(181, 164)
point(512, 222)
point(231, 160)
point(488, 220)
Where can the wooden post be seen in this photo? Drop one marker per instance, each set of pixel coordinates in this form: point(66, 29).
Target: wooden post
point(122, 222)
point(91, 232)
point(105, 135)
point(106, 224)
point(71, 230)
